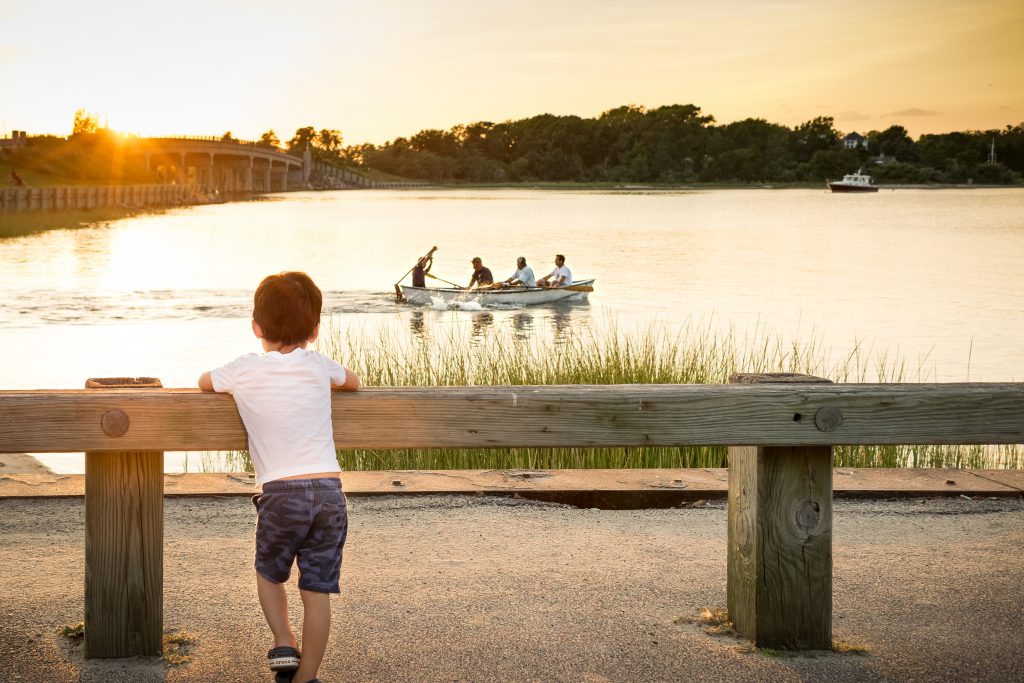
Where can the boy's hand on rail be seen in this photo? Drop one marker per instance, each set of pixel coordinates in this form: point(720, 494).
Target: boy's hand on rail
point(351, 382)
point(206, 382)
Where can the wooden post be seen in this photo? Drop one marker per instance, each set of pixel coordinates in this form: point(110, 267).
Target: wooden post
point(124, 529)
point(780, 535)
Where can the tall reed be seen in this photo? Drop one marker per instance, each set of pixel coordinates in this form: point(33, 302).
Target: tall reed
point(697, 354)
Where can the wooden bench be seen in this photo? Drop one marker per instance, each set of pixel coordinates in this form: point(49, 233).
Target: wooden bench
point(780, 430)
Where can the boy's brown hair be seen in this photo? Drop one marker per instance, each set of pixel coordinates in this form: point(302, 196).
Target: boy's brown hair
point(287, 307)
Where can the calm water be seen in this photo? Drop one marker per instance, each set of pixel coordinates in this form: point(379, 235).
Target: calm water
point(935, 277)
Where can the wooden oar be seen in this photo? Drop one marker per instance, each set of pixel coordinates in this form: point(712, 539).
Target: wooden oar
point(444, 281)
point(398, 290)
point(578, 288)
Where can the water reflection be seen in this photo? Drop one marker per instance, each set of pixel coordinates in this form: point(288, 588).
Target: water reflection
point(561, 320)
point(555, 323)
point(417, 324)
point(522, 326)
point(482, 323)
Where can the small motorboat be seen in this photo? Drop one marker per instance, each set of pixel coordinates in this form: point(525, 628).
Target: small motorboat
point(853, 182)
point(499, 296)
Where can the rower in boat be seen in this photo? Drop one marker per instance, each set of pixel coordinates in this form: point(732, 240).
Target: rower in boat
point(482, 276)
point(558, 277)
point(520, 295)
point(523, 277)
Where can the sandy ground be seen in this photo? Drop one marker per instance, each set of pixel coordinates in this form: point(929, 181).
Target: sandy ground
point(445, 588)
point(21, 463)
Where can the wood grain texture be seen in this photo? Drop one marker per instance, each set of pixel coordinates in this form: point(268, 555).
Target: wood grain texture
point(124, 539)
point(483, 417)
point(123, 554)
point(779, 588)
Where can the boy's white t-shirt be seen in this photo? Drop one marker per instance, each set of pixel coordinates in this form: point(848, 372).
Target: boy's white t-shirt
point(285, 402)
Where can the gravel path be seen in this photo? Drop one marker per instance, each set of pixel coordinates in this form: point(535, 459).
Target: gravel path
point(481, 589)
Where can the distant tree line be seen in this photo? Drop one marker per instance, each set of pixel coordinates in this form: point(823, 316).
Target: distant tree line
point(629, 144)
point(680, 144)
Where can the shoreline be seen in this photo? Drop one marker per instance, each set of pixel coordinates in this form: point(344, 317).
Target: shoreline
point(22, 463)
point(655, 187)
point(605, 489)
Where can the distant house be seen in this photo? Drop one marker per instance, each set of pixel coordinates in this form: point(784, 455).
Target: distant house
point(882, 160)
point(855, 140)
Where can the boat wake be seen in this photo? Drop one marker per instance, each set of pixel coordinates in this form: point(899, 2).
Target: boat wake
point(439, 304)
point(32, 308)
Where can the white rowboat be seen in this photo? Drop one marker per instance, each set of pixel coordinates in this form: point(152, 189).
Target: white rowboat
point(507, 296)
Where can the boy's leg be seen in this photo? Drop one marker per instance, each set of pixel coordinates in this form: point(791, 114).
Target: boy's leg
point(316, 629)
point(274, 601)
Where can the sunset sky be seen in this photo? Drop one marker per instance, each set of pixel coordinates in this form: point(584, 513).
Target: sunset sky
point(381, 69)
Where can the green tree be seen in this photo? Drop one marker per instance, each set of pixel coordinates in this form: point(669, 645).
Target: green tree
point(85, 123)
point(894, 142)
point(329, 140)
point(269, 139)
point(830, 164)
point(814, 136)
point(303, 136)
point(440, 142)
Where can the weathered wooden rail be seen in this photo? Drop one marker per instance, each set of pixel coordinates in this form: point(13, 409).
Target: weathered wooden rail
point(780, 430)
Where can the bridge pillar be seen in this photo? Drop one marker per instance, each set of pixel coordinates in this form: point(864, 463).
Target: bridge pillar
point(211, 178)
point(284, 178)
point(182, 172)
point(247, 186)
point(266, 176)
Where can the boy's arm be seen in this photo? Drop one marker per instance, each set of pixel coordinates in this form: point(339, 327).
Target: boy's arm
point(351, 382)
point(206, 382)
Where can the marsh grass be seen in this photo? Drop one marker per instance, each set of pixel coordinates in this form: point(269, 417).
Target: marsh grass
point(31, 222)
point(696, 354)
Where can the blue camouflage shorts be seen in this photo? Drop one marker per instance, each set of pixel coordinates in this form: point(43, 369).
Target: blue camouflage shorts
point(305, 519)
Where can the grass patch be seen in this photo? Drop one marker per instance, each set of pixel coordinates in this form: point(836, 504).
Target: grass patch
point(31, 222)
point(845, 648)
point(73, 631)
point(177, 647)
point(714, 622)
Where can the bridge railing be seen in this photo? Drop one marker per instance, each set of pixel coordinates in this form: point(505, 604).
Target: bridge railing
point(215, 138)
point(780, 430)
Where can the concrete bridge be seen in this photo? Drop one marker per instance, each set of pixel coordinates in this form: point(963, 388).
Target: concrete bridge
point(225, 165)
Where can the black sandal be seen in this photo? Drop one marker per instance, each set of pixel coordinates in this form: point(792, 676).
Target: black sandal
point(283, 658)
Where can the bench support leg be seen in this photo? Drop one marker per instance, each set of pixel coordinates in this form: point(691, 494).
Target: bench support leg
point(780, 546)
point(780, 542)
point(124, 538)
point(123, 554)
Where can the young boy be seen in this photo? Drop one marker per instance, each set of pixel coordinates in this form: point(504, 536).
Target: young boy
point(284, 398)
